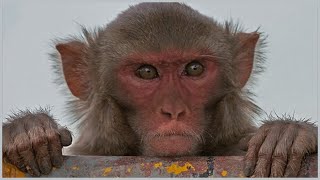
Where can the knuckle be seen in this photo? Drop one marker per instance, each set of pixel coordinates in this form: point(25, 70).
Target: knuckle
point(279, 159)
point(263, 155)
point(39, 141)
point(280, 152)
point(52, 136)
point(23, 147)
point(22, 143)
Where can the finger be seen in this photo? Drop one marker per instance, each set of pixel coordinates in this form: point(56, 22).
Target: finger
point(298, 150)
point(6, 137)
point(263, 165)
point(65, 136)
point(253, 148)
point(40, 147)
point(24, 149)
point(9, 151)
point(14, 158)
point(293, 166)
point(243, 143)
point(280, 154)
point(55, 147)
point(53, 139)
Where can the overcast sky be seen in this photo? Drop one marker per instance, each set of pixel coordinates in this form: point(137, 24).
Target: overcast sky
point(290, 84)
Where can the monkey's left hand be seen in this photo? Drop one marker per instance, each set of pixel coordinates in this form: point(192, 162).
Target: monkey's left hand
point(278, 148)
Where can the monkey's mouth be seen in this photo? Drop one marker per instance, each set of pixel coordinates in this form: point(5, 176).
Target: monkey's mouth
point(172, 144)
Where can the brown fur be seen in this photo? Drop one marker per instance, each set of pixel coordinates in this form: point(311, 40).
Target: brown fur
point(150, 22)
point(103, 116)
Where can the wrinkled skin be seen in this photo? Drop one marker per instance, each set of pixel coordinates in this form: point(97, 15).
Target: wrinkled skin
point(278, 148)
point(33, 143)
point(175, 113)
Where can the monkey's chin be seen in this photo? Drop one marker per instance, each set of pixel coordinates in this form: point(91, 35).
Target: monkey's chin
point(174, 145)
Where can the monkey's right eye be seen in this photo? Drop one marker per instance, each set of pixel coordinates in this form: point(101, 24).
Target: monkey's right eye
point(147, 72)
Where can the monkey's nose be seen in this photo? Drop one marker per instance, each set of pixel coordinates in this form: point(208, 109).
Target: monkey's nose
point(172, 113)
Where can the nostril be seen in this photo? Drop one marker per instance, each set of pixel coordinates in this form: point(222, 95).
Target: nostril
point(181, 113)
point(172, 114)
point(166, 113)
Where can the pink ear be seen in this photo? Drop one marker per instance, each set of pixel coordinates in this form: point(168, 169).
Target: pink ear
point(75, 68)
point(245, 56)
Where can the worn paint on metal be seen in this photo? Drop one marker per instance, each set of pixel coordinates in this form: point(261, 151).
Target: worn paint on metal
point(75, 168)
point(9, 170)
point(138, 166)
point(106, 171)
point(157, 165)
point(176, 169)
point(224, 173)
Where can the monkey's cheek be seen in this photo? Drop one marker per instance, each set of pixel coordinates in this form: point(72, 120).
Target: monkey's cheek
point(172, 146)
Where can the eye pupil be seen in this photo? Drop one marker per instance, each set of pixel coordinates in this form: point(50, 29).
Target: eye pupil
point(147, 72)
point(194, 68)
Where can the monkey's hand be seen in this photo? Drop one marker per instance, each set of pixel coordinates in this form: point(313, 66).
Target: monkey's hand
point(278, 148)
point(33, 142)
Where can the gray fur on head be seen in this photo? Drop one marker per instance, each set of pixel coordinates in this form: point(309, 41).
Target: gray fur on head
point(156, 27)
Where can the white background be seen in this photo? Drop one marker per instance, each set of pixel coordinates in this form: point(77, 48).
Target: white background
point(290, 84)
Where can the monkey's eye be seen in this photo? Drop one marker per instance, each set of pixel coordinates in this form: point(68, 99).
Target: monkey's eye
point(194, 68)
point(147, 72)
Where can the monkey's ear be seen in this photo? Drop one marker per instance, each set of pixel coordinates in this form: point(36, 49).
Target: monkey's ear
point(245, 55)
point(75, 68)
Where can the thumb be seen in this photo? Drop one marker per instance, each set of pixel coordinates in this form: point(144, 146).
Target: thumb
point(65, 136)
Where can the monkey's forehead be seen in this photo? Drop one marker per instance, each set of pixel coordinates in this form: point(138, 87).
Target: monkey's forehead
point(161, 26)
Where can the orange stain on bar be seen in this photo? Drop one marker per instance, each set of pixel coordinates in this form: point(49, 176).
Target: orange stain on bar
point(176, 169)
point(9, 170)
point(107, 171)
point(224, 173)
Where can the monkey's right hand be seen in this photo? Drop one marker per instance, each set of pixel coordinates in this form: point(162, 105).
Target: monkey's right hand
point(33, 142)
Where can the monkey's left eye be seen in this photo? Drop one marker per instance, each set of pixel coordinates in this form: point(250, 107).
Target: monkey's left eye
point(147, 72)
point(194, 68)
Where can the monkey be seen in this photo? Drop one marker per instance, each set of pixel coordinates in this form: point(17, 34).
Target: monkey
point(161, 79)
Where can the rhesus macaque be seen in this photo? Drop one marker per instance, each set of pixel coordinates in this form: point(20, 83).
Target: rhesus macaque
point(161, 80)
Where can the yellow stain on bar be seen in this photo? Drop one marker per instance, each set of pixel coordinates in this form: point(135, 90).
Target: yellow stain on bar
point(9, 170)
point(241, 175)
point(176, 169)
point(224, 173)
point(107, 171)
point(129, 170)
point(75, 168)
point(157, 165)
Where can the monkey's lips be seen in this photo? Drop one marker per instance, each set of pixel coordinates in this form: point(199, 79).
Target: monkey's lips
point(172, 145)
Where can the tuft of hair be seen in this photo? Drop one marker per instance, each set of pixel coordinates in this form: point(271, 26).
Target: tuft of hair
point(234, 116)
point(76, 109)
point(19, 113)
point(233, 28)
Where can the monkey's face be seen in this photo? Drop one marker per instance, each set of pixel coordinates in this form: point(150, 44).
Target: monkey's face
point(166, 93)
point(165, 66)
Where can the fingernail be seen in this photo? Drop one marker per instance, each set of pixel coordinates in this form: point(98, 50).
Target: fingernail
point(45, 166)
point(57, 161)
point(33, 171)
point(248, 171)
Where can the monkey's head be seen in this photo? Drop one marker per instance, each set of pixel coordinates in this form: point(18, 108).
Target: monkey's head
point(163, 72)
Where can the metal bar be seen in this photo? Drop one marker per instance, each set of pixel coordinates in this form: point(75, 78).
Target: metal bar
point(138, 166)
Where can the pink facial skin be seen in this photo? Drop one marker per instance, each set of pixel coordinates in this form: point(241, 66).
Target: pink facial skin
point(169, 112)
